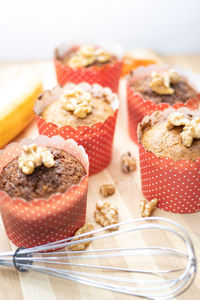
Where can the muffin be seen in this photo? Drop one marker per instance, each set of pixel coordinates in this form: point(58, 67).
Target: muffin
point(87, 113)
point(169, 147)
point(157, 88)
point(43, 190)
point(88, 63)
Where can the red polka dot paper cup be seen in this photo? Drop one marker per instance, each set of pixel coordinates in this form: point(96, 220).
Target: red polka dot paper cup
point(96, 140)
point(41, 221)
point(107, 75)
point(174, 183)
point(138, 107)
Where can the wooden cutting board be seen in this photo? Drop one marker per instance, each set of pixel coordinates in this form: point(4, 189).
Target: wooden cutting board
point(31, 286)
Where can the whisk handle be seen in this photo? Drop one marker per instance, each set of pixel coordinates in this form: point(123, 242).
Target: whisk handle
point(17, 263)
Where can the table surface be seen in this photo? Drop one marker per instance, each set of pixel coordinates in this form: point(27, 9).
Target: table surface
point(30, 286)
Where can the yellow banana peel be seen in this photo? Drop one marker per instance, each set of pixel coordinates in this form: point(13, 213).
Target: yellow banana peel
point(19, 88)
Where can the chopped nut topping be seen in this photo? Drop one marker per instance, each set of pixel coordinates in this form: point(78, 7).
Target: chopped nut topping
point(191, 129)
point(78, 98)
point(77, 101)
point(106, 214)
point(176, 119)
point(128, 163)
point(146, 207)
point(87, 55)
point(161, 82)
point(173, 76)
point(101, 55)
point(107, 189)
point(103, 93)
point(190, 132)
point(82, 246)
point(34, 156)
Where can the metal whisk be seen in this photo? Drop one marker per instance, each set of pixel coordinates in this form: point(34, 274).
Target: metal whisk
point(146, 275)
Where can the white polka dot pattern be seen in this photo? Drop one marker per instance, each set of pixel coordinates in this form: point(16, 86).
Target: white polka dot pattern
point(40, 221)
point(96, 140)
point(138, 108)
point(107, 75)
point(175, 184)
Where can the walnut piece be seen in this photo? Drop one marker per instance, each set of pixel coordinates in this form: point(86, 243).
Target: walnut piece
point(102, 55)
point(176, 119)
point(107, 189)
point(147, 207)
point(128, 163)
point(106, 214)
point(160, 83)
point(104, 93)
point(77, 101)
point(191, 131)
point(87, 55)
point(34, 156)
point(95, 90)
point(82, 246)
point(173, 76)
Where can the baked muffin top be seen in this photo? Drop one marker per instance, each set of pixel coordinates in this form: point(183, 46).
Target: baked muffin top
point(57, 173)
point(166, 86)
point(173, 133)
point(84, 56)
point(77, 105)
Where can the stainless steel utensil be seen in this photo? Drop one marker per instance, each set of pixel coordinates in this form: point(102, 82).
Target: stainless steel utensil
point(132, 266)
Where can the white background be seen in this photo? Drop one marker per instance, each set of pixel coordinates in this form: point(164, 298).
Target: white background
point(31, 29)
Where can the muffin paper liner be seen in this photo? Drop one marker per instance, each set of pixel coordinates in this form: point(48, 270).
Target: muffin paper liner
point(107, 75)
point(96, 140)
point(40, 221)
point(138, 107)
point(176, 184)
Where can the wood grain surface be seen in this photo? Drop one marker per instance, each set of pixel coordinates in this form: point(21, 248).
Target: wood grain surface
point(30, 285)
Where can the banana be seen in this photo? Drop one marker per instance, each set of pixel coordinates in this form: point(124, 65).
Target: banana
point(19, 88)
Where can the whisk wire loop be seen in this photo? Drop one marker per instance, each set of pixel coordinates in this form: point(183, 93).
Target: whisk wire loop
point(107, 271)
